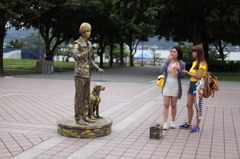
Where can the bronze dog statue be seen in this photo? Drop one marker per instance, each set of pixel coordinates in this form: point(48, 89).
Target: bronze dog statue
point(94, 101)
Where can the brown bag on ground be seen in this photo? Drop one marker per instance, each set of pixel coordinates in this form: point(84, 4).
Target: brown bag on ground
point(210, 85)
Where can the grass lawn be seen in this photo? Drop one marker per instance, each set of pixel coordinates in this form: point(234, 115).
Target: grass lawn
point(11, 63)
point(227, 76)
point(14, 67)
point(18, 72)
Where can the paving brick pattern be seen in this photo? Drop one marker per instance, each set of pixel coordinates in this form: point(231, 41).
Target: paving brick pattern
point(30, 106)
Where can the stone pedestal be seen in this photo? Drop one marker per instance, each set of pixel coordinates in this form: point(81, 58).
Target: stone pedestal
point(69, 128)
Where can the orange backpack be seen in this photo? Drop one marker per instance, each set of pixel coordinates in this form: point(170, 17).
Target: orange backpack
point(210, 85)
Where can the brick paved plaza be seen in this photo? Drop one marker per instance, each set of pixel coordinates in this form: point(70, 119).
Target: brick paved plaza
point(31, 105)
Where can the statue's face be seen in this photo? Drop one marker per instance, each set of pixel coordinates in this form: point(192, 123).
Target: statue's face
point(86, 34)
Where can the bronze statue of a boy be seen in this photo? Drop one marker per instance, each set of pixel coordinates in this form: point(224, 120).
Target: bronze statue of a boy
point(82, 55)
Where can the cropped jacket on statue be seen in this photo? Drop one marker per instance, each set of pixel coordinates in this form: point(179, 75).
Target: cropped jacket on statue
point(82, 55)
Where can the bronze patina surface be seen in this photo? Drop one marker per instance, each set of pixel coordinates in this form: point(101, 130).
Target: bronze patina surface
point(68, 127)
point(82, 54)
point(156, 131)
point(95, 99)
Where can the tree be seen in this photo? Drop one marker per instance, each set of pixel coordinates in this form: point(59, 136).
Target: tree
point(15, 44)
point(220, 45)
point(65, 50)
point(53, 25)
point(134, 21)
point(214, 54)
point(187, 53)
point(198, 21)
point(104, 28)
point(33, 41)
point(227, 15)
point(12, 12)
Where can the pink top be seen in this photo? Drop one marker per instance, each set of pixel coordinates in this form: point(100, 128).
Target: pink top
point(170, 65)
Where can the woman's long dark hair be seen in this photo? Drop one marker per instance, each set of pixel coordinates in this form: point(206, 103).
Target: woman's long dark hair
point(200, 55)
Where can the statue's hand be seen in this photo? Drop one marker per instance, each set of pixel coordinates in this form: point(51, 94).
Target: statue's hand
point(92, 48)
point(101, 71)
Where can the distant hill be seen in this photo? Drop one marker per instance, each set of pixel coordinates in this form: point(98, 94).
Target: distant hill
point(153, 42)
point(17, 34)
point(158, 44)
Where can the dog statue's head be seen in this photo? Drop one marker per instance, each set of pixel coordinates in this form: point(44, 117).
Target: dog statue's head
point(98, 87)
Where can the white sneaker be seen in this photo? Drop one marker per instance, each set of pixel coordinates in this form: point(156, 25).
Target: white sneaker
point(172, 125)
point(165, 126)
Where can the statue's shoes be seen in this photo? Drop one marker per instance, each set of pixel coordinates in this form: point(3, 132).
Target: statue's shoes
point(91, 121)
point(82, 122)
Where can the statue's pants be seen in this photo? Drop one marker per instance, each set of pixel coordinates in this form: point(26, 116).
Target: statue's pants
point(82, 96)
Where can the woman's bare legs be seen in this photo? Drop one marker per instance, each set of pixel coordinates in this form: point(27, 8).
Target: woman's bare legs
point(165, 107)
point(174, 107)
point(190, 102)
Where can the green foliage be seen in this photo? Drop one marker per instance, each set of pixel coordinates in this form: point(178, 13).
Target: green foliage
point(33, 41)
point(13, 14)
point(54, 23)
point(224, 76)
point(124, 22)
point(187, 53)
point(217, 66)
point(28, 63)
point(23, 62)
point(220, 66)
point(64, 50)
point(156, 56)
point(135, 22)
point(15, 44)
point(199, 21)
point(214, 55)
point(116, 51)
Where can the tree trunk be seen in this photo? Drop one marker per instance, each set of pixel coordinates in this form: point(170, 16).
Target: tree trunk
point(121, 54)
point(131, 54)
point(196, 37)
point(205, 48)
point(221, 48)
point(131, 60)
point(48, 54)
point(222, 54)
point(2, 35)
point(1, 56)
point(101, 59)
point(111, 54)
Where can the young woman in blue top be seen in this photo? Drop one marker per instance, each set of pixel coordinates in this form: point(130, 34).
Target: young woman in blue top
point(172, 89)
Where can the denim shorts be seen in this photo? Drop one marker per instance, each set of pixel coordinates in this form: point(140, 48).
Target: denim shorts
point(192, 88)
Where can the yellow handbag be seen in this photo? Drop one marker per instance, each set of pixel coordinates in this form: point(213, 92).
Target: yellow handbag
point(160, 81)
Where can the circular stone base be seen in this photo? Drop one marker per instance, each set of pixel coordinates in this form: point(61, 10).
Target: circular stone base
point(67, 126)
